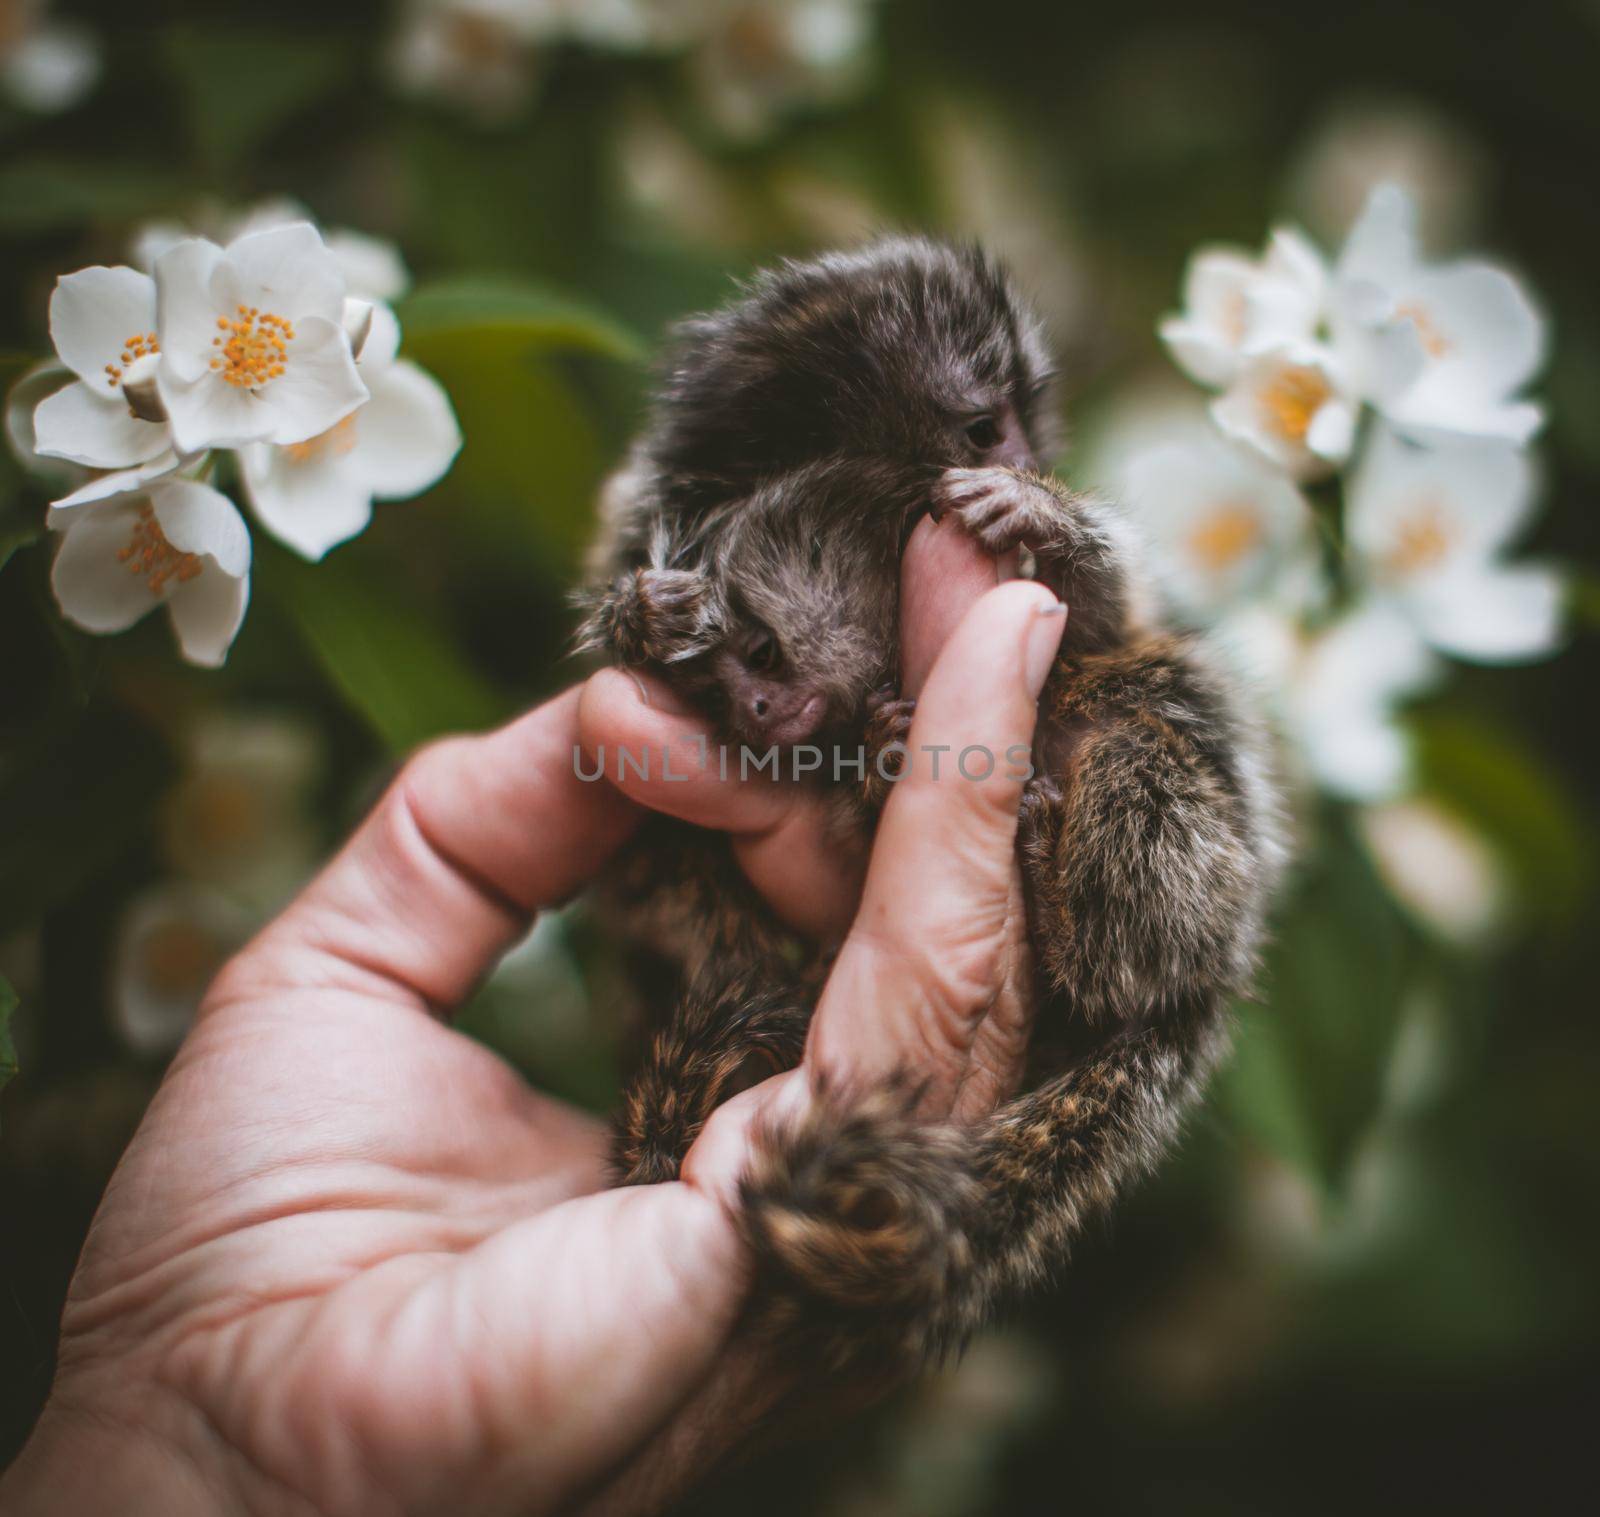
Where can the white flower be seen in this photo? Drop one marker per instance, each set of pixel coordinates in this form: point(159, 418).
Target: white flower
point(316, 494)
point(240, 817)
point(372, 267)
point(252, 346)
point(1292, 404)
point(103, 322)
point(1439, 868)
point(1344, 696)
point(476, 54)
point(1336, 693)
point(40, 382)
point(1223, 525)
point(171, 540)
point(45, 65)
point(170, 943)
point(1437, 348)
point(1236, 306)
point(1427, 525)
point(761, 59)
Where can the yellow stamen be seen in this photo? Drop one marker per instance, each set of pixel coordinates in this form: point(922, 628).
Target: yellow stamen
point(1226, 535)
point(1290, 403)
point(252, 349)
point(150, 555)
point(140, 345)
point(1422, 541)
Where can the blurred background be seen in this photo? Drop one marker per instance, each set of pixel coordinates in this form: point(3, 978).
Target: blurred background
point(1370, 1274)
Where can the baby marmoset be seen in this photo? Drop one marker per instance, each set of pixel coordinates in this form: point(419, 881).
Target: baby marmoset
point(750, 557)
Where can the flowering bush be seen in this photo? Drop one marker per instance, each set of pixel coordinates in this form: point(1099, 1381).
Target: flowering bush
point(1345, 515)
point(750, 62)
point(253, 362)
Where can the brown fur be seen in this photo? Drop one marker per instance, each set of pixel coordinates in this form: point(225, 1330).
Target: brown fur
point(1146, 837)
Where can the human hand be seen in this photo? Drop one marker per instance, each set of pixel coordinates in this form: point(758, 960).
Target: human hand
point(351, 1263)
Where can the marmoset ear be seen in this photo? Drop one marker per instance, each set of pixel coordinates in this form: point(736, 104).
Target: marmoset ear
point(652, 616)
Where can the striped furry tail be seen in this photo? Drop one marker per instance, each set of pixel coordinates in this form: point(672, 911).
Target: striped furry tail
point(884, 1239)
point(862, 1221)
point(1051, 1159)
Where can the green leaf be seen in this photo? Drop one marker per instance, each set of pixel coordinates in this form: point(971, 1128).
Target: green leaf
point(8, 1049)
point(392, 665)
point(54, 195)
point(1519, 803)
point(1313, 1053)
point(539, 316)
point(241, 85)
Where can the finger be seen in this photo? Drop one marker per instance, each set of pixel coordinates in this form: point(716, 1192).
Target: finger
point(474, 835)
point(627, 1298)
point(942, 572)
point(938, 917)
point(665, 757)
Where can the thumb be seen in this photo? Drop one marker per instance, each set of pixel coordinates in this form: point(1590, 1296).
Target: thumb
point(928, 953)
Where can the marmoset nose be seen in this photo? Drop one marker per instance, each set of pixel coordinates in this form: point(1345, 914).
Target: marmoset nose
point(782, 714)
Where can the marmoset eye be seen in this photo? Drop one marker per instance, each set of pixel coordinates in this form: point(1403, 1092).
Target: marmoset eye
point(762, 654)
point(983, 433)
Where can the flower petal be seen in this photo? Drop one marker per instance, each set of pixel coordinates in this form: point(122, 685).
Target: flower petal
point(104, 486)
point(207, 613)
point(1220, 521)
point(1332, 431)
point(1493, 615)
point(208, 413)
point(1291, 255)
point(407, 436)
point(372, 268)
point(383, 341)
point(1484, 324)
point(1198, 351)
point(40, 382)
point(312, 506)
point(1362, 758)
point(1468, 496)
point(197, 519)
point(1382, 246)
point(186, 311)
point(153, 238)
point(94, 427)
point(287, 270)
point(94, 312)
point(320, 388)
point(94, 588)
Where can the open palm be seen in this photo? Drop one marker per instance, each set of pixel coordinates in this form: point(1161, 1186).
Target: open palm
point(352, 1263)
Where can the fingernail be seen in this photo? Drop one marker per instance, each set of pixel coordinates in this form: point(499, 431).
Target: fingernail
point(659, 696)
point(1041, 640)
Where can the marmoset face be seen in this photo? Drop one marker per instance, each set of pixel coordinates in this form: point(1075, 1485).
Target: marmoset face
point(807, 615)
